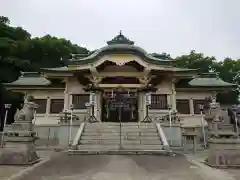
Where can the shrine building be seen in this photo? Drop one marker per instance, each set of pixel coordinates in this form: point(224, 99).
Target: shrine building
point(120, 66)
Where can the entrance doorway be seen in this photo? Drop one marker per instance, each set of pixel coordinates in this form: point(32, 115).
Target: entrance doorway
point(119, 106)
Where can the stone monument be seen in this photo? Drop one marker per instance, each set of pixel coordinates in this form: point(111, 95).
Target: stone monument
point(19, 148)
point(223, 141)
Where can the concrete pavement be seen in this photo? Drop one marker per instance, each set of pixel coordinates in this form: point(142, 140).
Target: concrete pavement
point(117, 167)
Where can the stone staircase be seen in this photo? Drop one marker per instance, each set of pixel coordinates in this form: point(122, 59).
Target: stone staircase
point(116, 137)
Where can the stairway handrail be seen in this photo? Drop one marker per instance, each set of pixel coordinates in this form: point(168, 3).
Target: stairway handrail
point(162, 136)
point(78, 135)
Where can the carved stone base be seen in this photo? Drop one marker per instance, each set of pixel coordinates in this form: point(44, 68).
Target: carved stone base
point(224, 153)
point(18, 154)
point(224, 159)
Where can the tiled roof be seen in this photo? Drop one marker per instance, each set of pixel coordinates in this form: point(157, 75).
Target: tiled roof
point(210, 82)
point(30, 81)
point(60, 69)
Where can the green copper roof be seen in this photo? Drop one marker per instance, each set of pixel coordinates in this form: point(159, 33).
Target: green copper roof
point(120, 44)
point(59, 69)
point(34, 79)
point(210, 82)
point(30, 81)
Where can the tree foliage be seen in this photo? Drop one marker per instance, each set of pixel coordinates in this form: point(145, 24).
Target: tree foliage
point(20, 52)
point(228, 70)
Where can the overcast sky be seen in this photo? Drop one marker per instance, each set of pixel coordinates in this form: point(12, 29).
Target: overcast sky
point(172, 26)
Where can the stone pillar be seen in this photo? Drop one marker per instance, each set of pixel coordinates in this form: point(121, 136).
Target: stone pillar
point(173, 96)
point(97, 107)
point(215, 111)
point(174, 107)
point(191, 106)
point(48, 106)
point(66, 100)
point(144, 105)
point(214, 97)
point(100, 106)
point(140, 106)
point(169, 99)
point(66, 96)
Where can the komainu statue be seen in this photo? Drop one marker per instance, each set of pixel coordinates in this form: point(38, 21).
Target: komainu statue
point(19, 147)
point(28, 110)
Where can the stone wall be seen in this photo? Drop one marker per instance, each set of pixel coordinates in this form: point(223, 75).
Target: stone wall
point(54, 135)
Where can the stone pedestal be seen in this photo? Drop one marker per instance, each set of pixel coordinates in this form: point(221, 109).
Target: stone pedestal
point(19, 141)
point(189, 133)
point(19, 146)
point(224, 153)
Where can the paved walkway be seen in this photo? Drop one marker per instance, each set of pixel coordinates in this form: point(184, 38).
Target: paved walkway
point(8, 171)
point(119, 167)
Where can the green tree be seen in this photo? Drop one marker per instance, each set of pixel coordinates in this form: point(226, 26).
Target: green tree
point(4, 20)
point(10, 65)
point(19, 52)
point(196, 60)
point(48, 51)
point(228, 70)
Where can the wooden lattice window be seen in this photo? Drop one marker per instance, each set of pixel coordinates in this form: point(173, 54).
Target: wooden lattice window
point(196, 105)
point(183, 106)
point(42, 105)
point(79, 100)
point(56, 105)
point(158, 101)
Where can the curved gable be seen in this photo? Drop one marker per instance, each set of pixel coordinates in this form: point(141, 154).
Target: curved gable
point(120, 59)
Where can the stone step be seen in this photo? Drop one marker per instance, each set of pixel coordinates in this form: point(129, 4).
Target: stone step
point(84, 137)
point(143, 125)
point(130, 129)
point(100, 147)
point(103, 141)
point(226, 127)
point(143, 147)
point(142, 138)
point(117, 134)
point(118, 130)
point(123, 141)
point(116, 123)
point(120, 152)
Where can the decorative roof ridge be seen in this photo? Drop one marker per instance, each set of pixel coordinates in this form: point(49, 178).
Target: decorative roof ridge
point(98, 51)
point(208, 75)
point(30, 74)
point(120, 39)
point(61, 68)
point(74, 56)
point(164, 56)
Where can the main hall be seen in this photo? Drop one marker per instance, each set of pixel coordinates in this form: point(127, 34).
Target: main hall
point(122, 68)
